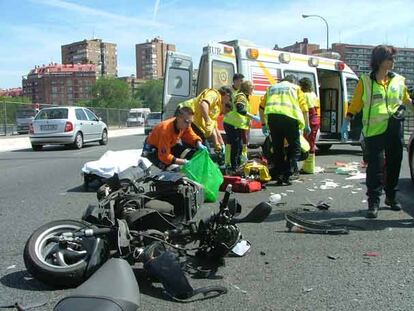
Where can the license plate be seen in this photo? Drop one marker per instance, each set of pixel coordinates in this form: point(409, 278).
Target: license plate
point(48, 127)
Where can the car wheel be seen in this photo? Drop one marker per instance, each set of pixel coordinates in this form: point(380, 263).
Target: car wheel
point(37, 147)
point(78, 143)
point(324, 147)
point(104, 138)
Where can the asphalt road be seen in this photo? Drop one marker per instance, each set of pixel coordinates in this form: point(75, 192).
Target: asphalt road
point(283, 271)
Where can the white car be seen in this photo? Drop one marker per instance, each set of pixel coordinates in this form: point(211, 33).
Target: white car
point(153, 118)
point(71, 126)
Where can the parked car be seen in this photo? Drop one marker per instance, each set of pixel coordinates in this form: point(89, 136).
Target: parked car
point(71, 126)
point(153, 118)
point(410, 149)
point(136, 116)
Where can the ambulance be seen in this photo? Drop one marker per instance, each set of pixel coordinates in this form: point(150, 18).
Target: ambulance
point(333, 81)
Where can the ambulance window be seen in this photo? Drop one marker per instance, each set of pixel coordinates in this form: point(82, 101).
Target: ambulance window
point(300, 74)
point(222, 74)
point(350, 87)
point(178, 82)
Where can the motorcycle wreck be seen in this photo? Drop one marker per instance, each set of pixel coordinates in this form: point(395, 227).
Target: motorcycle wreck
point(157, 223)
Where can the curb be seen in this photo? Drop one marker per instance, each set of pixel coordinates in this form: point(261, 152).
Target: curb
point(10, 143)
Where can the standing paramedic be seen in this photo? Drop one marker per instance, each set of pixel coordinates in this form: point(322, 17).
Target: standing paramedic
point(236, 122)
point(283, 112)
point(172, 141)
point(312, 102)
point(207, 107)
point(380, 95)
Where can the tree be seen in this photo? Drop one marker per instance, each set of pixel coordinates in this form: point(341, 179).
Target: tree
point(109, 92)
point(150, 94)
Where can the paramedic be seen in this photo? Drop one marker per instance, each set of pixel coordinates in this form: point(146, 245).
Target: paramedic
point(312, 102)
point(207, 107)
point(380, 95)
point(282, 113)
point(172, 141)
point(236, 122)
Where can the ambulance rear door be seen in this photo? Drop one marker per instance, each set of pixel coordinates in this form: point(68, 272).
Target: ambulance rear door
point(217, 67)
point(178, 82)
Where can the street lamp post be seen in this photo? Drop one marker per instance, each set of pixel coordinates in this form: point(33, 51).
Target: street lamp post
point(327, 27)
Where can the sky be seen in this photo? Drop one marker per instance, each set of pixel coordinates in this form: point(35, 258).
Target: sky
point(32, 31)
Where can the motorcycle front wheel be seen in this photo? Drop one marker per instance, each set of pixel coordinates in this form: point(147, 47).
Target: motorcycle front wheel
point(55, 261)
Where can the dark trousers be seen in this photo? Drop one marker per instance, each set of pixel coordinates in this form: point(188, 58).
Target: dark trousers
point(234, 138)
point(378, 178)
point(282, 127)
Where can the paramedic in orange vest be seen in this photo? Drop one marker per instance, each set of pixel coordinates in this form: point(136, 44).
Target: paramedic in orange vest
point(173, 141)
point(207, 107)
point(282, 113)
point(312, 102)
point(381, 95)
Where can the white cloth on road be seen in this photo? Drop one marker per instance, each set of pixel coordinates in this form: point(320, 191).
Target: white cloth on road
point(114, 162)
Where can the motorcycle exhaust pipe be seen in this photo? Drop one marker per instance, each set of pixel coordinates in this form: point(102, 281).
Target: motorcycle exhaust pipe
point(256, 215)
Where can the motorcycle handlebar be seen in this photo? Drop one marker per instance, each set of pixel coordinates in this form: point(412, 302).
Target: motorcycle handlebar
point(87, 232)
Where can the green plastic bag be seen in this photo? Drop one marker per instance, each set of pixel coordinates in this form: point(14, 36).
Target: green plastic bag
point(204, 171)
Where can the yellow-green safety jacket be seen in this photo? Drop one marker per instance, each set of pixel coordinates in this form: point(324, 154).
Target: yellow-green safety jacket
point(282, 98)
point(380, 103)
point(235, 118)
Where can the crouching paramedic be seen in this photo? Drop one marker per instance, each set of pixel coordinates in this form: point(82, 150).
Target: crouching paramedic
point(173, 141)
point(207, 107)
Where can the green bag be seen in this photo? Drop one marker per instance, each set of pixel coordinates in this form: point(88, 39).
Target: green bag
point(204, 171)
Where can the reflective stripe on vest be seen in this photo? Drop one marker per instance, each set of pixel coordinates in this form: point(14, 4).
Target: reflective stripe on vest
point(282, 98)
point(380, 104)
point(236, 119)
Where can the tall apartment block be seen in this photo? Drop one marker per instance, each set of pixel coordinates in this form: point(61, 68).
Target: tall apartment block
point(358, 58)
point(303, 47)
point(59, 85)
point(102, 54)
point(150, 58)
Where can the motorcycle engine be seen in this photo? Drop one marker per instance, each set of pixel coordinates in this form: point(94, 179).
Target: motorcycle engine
point(225, 237)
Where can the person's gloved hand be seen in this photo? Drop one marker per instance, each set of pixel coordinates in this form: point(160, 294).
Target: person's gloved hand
point(344, 130)
point(256, 118)
point(185, 161)
point(200, 146)
point(223, 149)
point(307, 130)
point(265, 130)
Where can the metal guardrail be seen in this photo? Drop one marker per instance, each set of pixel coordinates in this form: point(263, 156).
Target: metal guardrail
point(8, 112)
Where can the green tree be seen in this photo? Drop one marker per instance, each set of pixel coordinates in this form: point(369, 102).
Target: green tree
point(109, 92)
point(149, 94)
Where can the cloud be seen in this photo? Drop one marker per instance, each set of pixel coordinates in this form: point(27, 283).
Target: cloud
point(109, 17)
point(157, 3)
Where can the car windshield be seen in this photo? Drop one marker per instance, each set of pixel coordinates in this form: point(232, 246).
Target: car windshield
point(27, 113)
point(154, 115)
point(50, 114)
point(135, 115)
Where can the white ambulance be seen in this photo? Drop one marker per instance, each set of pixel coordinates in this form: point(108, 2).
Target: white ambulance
point(333, 81)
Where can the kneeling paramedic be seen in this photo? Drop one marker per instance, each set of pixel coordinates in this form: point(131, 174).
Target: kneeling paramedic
point(173, 142)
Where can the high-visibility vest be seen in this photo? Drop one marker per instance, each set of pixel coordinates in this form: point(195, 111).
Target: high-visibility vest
point(282, 98)
point(236, 119)
point(380, 102)
point(214, 98)
point(311, 100)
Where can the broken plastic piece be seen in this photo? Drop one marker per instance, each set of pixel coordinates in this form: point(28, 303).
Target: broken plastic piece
point(371, 254)
point(294, 223)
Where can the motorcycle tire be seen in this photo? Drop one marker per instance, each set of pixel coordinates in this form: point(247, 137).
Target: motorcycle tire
point(52, 263)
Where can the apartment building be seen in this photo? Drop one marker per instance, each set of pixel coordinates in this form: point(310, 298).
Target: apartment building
point(303, 47)
point(358, 57)
point(150, 58)
point(56, 84)
point(102, 54)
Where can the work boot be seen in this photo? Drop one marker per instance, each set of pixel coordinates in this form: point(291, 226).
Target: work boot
point(372, 210)
point(393, 204)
